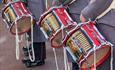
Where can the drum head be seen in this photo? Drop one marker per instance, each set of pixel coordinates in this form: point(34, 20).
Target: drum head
point(23, 25)
point(101, 55)
point(56, 40)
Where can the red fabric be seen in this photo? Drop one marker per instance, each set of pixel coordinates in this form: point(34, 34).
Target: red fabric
point(20, 6)
point(91, 33)
point(62, 15)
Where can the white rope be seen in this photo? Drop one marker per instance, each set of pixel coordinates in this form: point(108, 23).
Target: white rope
point(31, 57)
point(21, 38)
point(67, 67)
point(57, 67)
point(111, 58)
point(6, 15)
point(65, 60)
point(17, 42)
point(46, 4)
point(64, 51)
point(94, 57)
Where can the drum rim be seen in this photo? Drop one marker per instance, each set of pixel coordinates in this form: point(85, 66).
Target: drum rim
point(97, 49)
point(29, 16)
point(56, 33)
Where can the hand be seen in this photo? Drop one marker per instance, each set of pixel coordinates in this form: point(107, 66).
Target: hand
point(82, 18)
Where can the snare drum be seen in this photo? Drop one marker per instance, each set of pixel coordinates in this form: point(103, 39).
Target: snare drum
point(53, 20)
point(16, 13)
point(81, 42)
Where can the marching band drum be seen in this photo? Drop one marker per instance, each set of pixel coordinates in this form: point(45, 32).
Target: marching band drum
point(87, 46)
point(52, 21)
point(19, 21)
point(16, 13)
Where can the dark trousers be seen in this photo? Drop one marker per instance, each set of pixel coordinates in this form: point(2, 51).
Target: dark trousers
point(40, 50)
point(75, 66)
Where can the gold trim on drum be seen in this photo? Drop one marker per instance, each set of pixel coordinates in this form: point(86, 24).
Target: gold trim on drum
point(9, 13)
point(51, 20)
point(80, 40)
point(78, 44)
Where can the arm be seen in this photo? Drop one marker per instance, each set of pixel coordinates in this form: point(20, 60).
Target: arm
point(94, 9)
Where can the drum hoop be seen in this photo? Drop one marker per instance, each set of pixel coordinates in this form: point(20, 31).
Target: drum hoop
point(17, 20)
point(96, 49)
point(9, 27)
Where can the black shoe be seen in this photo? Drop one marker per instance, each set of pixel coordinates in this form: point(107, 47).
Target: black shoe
point(25, 50)
point(28, 63)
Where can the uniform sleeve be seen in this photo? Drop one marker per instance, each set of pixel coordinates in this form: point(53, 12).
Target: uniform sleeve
point(36, 7)
point(95, 8)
